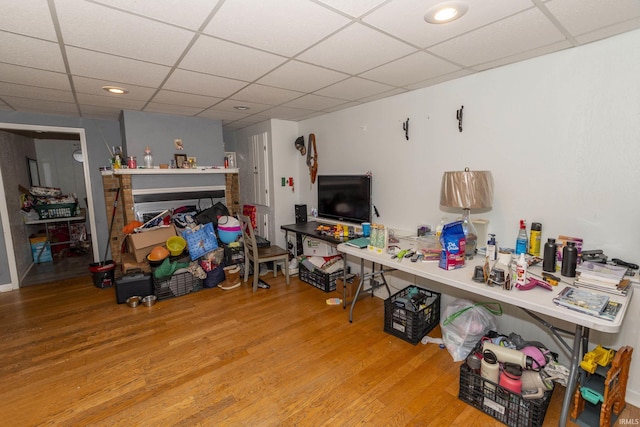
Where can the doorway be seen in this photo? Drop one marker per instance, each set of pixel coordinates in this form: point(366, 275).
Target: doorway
point(9, 219)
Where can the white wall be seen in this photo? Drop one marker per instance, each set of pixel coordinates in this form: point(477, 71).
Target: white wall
point(560, 134)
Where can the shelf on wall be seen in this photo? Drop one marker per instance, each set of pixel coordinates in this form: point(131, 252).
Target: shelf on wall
point(202, 170)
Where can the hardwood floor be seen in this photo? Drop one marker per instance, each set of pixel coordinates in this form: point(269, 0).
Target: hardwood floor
point(280, 357)
point(61, 268)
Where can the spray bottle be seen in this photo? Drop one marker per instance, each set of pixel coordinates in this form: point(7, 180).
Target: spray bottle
point(521, 241)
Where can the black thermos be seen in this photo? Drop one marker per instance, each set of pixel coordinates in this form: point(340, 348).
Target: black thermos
point(569, 260)
point(549, 259)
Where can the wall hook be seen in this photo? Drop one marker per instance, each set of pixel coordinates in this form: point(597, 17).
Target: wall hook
point(405, 127)
point(459, 117)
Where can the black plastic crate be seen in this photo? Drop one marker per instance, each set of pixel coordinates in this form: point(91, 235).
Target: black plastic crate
point(176, 285)
point(319, 278)
point(502, 404)
point(411, 313)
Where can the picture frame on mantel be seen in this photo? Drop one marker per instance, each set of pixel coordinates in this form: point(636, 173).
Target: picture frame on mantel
point(181, 159)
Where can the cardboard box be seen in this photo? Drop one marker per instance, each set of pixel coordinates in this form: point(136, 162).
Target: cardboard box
point(352, 285)
point(315, 247)
point(141, 244)
point(129, 264)
point(40, 249)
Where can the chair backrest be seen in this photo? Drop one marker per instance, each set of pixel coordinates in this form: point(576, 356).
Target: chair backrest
point(248, 235)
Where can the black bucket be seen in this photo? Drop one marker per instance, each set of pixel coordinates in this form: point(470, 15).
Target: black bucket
point(103, 273)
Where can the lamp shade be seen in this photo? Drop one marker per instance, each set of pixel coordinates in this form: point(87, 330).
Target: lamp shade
point(467, 189)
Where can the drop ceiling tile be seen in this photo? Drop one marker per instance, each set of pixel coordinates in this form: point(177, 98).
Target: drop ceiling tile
point(29, 76)
point(118, 101)
point(342, 107)
point(202, 84)
point(356, 49)
point(609, 31)
point(354, 89)
point(180, 110)
point(30, 52)
point(213, 56)
point(41, 106)
point(100, 112)
point(266, 95)
point(382, 95)
point(12, 89)
point(94, 87)
point(114, 68)
point(440, 79)
point(355, 8)
point(554, 47)
point(405, 19)
point(285, 27)
point(229, 104)
point(170, 11)
point(310, 115)
point(103, 29)
point(410, 69)
point(285, 113)
point(519, 33)
point(583, 16)
point(314, 102)
point(185, 99)
point(223, 115)
point(296, 75)
point(15, 13)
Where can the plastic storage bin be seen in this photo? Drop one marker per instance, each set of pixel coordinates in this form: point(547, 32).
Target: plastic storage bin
point(56, 211)
point(502, 404)
point(411, 313)
point(318, 278)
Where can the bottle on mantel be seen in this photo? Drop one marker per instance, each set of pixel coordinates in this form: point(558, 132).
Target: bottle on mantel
point(148, 158)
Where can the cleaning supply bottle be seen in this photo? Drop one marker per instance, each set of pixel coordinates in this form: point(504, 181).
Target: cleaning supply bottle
point(148, 158)
point(549, 260)
point(521, 271)
point(534, 240)
point(492, 252)
point(521, 241)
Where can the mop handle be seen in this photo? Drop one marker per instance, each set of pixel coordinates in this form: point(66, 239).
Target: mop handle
point(113, 217)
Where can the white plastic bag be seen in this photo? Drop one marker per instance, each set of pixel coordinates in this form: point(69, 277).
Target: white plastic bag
point(464, 323)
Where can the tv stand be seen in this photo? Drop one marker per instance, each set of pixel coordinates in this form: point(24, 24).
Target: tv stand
point(309, 229)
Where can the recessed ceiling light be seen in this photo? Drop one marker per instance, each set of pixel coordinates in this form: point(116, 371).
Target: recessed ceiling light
point(241, 107)
point(446, 12)
point(115, 90)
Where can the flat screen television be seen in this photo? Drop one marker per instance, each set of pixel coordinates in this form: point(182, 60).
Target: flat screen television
point(345, 198)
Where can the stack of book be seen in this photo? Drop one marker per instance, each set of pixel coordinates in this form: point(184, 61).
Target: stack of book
point(602, 277)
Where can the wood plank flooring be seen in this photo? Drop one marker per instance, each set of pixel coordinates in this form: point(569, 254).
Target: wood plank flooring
point(71, 356)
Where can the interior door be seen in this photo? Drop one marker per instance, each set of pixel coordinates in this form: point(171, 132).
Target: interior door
point(260, 167)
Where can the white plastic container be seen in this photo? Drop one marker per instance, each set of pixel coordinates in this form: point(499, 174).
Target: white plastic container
point(521, 271)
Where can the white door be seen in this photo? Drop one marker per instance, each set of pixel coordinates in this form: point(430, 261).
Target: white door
point(260, 167)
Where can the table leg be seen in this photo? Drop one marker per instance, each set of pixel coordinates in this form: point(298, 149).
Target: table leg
point(360, 285)
point(581, 334)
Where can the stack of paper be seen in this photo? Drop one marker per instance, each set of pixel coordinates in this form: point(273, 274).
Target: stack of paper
point(602, 277)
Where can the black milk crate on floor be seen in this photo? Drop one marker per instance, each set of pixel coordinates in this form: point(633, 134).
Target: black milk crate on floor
point(502, 404)
point(176, 285)
point(319, 278)
point(411, 313)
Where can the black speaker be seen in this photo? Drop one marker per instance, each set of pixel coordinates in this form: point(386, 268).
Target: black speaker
point(301, 213)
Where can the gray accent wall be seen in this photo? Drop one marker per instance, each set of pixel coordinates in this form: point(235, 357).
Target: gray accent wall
point(14, 150)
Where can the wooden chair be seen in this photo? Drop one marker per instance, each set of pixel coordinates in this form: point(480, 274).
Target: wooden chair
point(252, 253)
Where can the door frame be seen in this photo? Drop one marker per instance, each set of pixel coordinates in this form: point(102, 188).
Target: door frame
point(6, 226)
